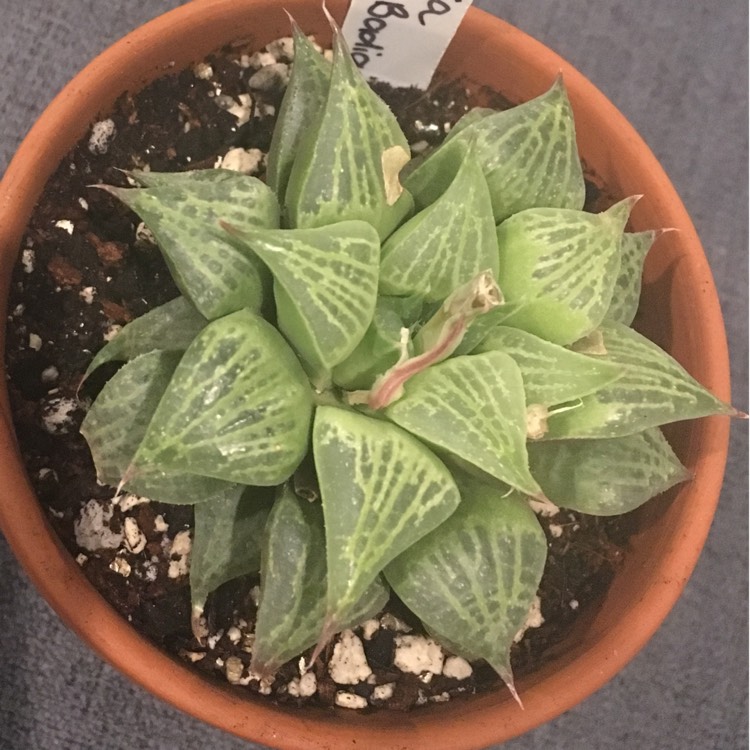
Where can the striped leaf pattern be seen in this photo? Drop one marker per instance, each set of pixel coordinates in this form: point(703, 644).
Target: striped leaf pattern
point(627, 291)
point(654, 389)
point(303, 103)
point(551, 374)
point(382, 490)
point(559, 267)
point(528, 154)
point(325, 285)
point(472, 581)
point(338, 169)
point(292, 605)
point(227, 537)
point(606, 477)
point(446, 244)
point(117, 422)
point(378, 350)
point(238, 407)
point(169, 327)
point(184, 213)
point(474, 408)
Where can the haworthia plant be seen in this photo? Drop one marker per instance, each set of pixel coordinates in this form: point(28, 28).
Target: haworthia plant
point(292, 606)
point(411, 341)
point(473, 580)
point(226, 544)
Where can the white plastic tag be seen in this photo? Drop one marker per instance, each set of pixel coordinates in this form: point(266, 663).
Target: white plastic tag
point(401, 42)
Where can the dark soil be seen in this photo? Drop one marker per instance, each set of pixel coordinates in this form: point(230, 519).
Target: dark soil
point(75, 281)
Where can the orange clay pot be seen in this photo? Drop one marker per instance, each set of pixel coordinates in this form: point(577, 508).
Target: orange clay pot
point(680, 312)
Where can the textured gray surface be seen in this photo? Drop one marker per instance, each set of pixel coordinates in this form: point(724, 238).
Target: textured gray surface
point(678, 71)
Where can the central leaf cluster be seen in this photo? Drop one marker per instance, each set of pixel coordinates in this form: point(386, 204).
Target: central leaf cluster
point(398, 342)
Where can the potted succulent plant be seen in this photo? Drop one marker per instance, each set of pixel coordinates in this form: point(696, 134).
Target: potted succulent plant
point(143, 454)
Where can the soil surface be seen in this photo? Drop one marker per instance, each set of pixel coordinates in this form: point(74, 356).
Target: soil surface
point(88, 266)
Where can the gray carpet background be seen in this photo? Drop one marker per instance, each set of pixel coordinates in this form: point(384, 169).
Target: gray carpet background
point(678, 70)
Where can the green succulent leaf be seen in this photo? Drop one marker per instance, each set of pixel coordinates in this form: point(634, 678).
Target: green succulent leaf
point(608, 476)
point(446, 244)
point(226, 542)
point(303, 103)
point(169, 327)
point(342, 168)
point(117, 422)
point(472, 407)
point(627, 291)
point(378, 350)
point(528, 154)
point(559, 267)
point(184, 213)
point(473, 116)
point(238, 407)
point(292, 606)
point(382, 490)
point(325, 285)
point(551, 374)
point(472, 580)
point(653, 390)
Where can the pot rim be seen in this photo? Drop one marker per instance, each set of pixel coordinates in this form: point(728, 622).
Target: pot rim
point(483, 720)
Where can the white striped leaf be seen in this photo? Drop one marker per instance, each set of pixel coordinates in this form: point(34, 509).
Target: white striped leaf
point(237, 408)
point(227, 539)
point(446, 244)
point(474, 408)
point(169, 327)
point(117, 422)
point(325, 285)
point(627, 291)
point(559, 267)
point(653, 389)
point(528, 154)
point(184, 213)
point(303, 102)
point(608, 476)
point(472, 581)
point(551, 374)
point(382, 490)
point(338, 170)
point(292, 606)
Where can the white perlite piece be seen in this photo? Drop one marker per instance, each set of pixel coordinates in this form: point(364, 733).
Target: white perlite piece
point(244, 161)
point(203, 71)
point(391, 622)
point(234, 669)
point(135, 539)
point(234, 634)
point(66, 225)
point(144, 234)
point(417, 654)
point(160, 525)
point(348, 665)
point(56, 416)
point(533, 620)
point(303, 687)
point(457, 668)
point(121, 566)
point(242, 109)
point(87, 294)
point(101, 134)
point(350, 700)
point(91, 528)
point(556, 530)
point(282, 49)
point(112, 331)
point(257, 60)
point(35, 342)
point(369, 628)
point(28, 256)
point(180, 549)
point(573, 604)
point(50, 374)
point(270, 77)
point(128, 501)
point(383, 692)
point(81, 559)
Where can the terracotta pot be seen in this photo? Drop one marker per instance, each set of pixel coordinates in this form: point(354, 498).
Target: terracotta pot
point(681, 312)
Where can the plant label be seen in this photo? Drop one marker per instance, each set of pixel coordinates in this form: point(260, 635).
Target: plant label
point(401, 43)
